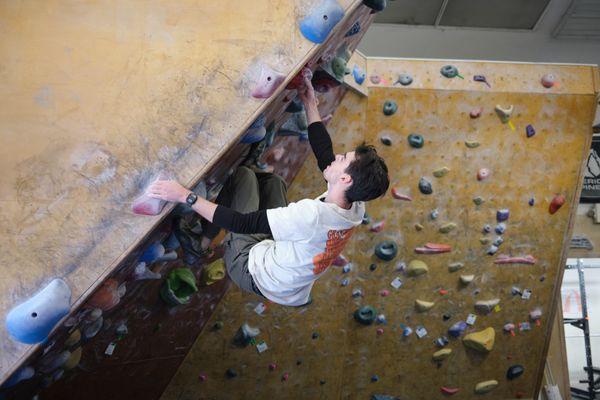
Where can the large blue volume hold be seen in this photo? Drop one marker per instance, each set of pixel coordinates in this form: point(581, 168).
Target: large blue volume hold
point(317, 25)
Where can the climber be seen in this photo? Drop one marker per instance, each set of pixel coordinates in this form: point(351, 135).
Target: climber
point(277, 249)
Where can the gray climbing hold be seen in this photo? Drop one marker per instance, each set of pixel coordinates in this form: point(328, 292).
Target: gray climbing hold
point(386, 140)
point(415, 140)
point(245, 334)
point(425, 186)
point(449, 71)
point(500, 228)
point(390, 107)
point(365, 315)
point(434, 214)
point(487, 228)
point(455, 266)
point(386, 250)
point(478, 200)
point(514, 371)
point(498, 241)
point(404, 80)
point(492, 250)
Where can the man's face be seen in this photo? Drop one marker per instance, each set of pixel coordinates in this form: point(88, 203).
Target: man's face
point(336, 169)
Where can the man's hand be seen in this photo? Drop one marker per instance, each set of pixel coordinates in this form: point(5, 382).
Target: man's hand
point(168, 191)
point(310, 101)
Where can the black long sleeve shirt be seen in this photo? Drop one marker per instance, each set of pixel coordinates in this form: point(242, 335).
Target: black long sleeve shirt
point(257, 222)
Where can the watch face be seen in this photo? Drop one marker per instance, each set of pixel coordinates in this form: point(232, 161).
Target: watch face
point(191, 199)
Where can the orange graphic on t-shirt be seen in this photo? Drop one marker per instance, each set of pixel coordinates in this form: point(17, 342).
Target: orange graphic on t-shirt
point(336, 241)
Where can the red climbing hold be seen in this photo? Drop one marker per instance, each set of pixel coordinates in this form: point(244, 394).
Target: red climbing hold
point(340, 261)
point(377, 226)
point(448, 390)
point(476, 113)
point(557, 203)
point(433, 248)
point(298, 82)
point(483, 173)
point(399, 196)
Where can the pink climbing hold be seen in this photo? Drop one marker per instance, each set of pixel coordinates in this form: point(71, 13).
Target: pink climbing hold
point(399, 196)
point(504, 259)
point(146, 205)
point(285, 376)
point(375, 79)
point(483, 173)
point(433, 248)
point(377, 226)
point(272, 366)
point(548, 81)
point(267, 83)
point(448, 390)
point(380, 331)
point(202, 377)
point(340, 261)
point(384, 293)
point(476, 112)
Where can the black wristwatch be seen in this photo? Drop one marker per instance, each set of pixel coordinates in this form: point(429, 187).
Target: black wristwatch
point(191, 199)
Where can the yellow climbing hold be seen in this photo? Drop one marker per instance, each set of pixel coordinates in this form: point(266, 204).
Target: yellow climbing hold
point(442, 354)
point(74, 359)
point(213, 272)
point(466, 279)
point(438, 173)
point(484, 240)
point(416, 268)
point(423, 305)
point(482, 341)
point(418, 227)
point(486, 386)
point(455, 266)
point(73, 339)
point(447, 227)
point(471, 144)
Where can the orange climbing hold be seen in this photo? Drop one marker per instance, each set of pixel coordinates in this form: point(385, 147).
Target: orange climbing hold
point(556, 203)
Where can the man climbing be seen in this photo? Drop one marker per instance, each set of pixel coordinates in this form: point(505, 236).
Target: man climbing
point(278, 249)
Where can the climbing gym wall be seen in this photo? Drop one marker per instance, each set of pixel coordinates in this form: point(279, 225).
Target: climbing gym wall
point(428, 333)
point(100, 100)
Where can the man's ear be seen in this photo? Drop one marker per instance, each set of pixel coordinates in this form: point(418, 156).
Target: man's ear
point(346, 179)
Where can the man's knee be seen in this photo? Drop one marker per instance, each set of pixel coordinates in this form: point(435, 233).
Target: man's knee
point(243, 173)
point(274, 180)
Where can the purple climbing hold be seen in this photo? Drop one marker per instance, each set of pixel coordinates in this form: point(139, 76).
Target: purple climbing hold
point(502, 215)
point(267, 83)
point(500, 228)
point(529, 130)
point(457, 329)
point(374, 378)
point(317, 25)
point(353, 30)
point(481, 78)
point(531, 201)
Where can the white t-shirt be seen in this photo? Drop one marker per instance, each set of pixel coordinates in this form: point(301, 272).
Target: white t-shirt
point(308, 235)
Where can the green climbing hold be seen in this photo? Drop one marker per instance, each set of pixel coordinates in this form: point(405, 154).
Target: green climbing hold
point(478, 201)
point(455, 266)
point(178, 287)
point(366, 315)
point(416, 268)
point(416, 140)
point(441, 172)
point(447, 227)
point(390, 107)
point(386, 250)
point(338, 67)
point(471, 144)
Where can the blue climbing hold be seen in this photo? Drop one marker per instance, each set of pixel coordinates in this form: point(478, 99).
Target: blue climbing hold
point(261, 120)
point(152, 253)
point(21, 374)
point(295, 106)
point(317, 25)
point(457, 329)
point(375, 5)
point(354, 30)
point(359, 74)
point(32, 321)
point(254, 135)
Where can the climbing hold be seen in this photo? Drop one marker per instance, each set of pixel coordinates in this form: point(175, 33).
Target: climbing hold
point(74, 359)
point(455, 266)
point(441, 172)
point(202, 377)
point(231, 373)
point(22, 374)
point(471, 144)
point(358, 74)
point(535, 314)
point(375, 79)
point(338, 67)
point(486, 306)
point(152, 253)
point(317, 25)
point(446, 228)
point(365, 315)
point(347, 268)
point(379, 331)
point(272, 366)
point(484, 387)
point(390, 107)
point(245, 334)
point(504, 113)
point(548, 81)
point(383, 397)
point(73, 339)
point(374, 378)
point(353, 30)
point(377, 226)
point(384, 293)
point(449, 391)
point(433, 248)
point(297, 83)
point(419, 227)
point(345, 282)
point(476, 112)
point(267, 83)
point(498, 241)
point(31, 321)
point(502, 215)
point(107, 296)
point(434, 214)
point(531, 202)
point(213, 272)
point(142, 272)
point(254, 135)
point(504, 259)
point(492, 250)
point(285, 376)
point(466, 279)
point(441, 341)
point(375, 5)
point(556, 203)
point(487, 228)
point(416, 268)
point(399, 196)
point(484, 240)
point(340, 261)
point(415, 140)
point(529, 131)
point(366, 220)
point(217, 325)
point(449, 71)
point(422, 305)
point(500, 228)
point(381, 319)
point(357, 292)
point(386, 140)
point(457, 329)
point(315, 335)
point(514, 371)
point(509, 327)
point(442, 354)
point(404, 80)
point(482, 341)
point(386, 250)
point(372, 267)
point(482, 174)
point(178, 287)
point(425, 186)
point(146, 205)
point(481, 78)
point(446, 316)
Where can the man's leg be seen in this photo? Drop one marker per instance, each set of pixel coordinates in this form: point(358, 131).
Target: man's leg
point(273, 191)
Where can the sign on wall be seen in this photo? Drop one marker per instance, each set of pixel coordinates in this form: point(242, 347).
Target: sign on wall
point(591, 174)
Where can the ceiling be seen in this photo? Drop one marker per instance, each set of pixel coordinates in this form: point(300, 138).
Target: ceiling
point(581, 21)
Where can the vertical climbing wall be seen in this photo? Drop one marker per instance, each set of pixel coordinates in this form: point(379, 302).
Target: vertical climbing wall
point(320, 351)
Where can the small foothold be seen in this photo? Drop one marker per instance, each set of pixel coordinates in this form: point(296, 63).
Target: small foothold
point(202, 377)
point(466, 279)
point(487, 228)
point(399, 196)
point(504, 259)
point(267, 83)
point(179, 286)
point(354, 29)
point(345, 282)
point(514, 371)
point(471, 144)
point(502, 215)
point(449, 391)
point(498, 241)
point(425, 186)
point(31, 321)
point(218, 325)
point(442, 354)
point(317, 25)
point(484, 387)
point(340, 261)
point(419, 227)
point(272, 367)
point(374, 378)
point(347, 268)
point(433, 248)
point(285, 376)
point(390, 107)
point(441, 172)
point(365, 315)
point(492, 250)
point(379, 331)
point(457, 329)
point(434, 214)
point(509, 327)
point(381, 319)
point(384, 293)
point(476, 112)
point(446, 316)
point(446, 228)
point(500, 228)
point(358, 74)
point(482, 341)
point(486, 306)
point(483, 173)
point(529, 131)
point(416, 268)
point(386, 250)
point(372, 267)
point(375, 79)
point(484, 240)
point(532, 202)
point(322, 381)
point(315, 335)
point(556, 203)
point(386, 140)
point(377, 226)
point(366, 220)
point(441, 341)
point(404, 80)
point(481, 78)
point(548, 81)
point(478, 200)
point(415, 140)
point(449, 71)
point(535, 314)
point(422, 305)
point(245, 334)
point(231, 373)
point(455, 266)
point(504, 113)
point(406, 330)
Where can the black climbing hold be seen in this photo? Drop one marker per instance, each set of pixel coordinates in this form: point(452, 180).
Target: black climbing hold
point(416, 140)
point(386, 140)
point(295, 106)
point(231, 373)
point(375, 5)
point(315, 335)
point(353, 30)
point(425, 186)
point(373, 267)
point(366, 315)
point(322, 381)
point(298, 362)
point(514, 371)
point(366, 219)
point(531, 201)
point(384, 397)
point(404, 80)
point(218, 325)
point(374, 378)
point(390, 107)
point(446, 317)
point(386, 250)
point(449, 71)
